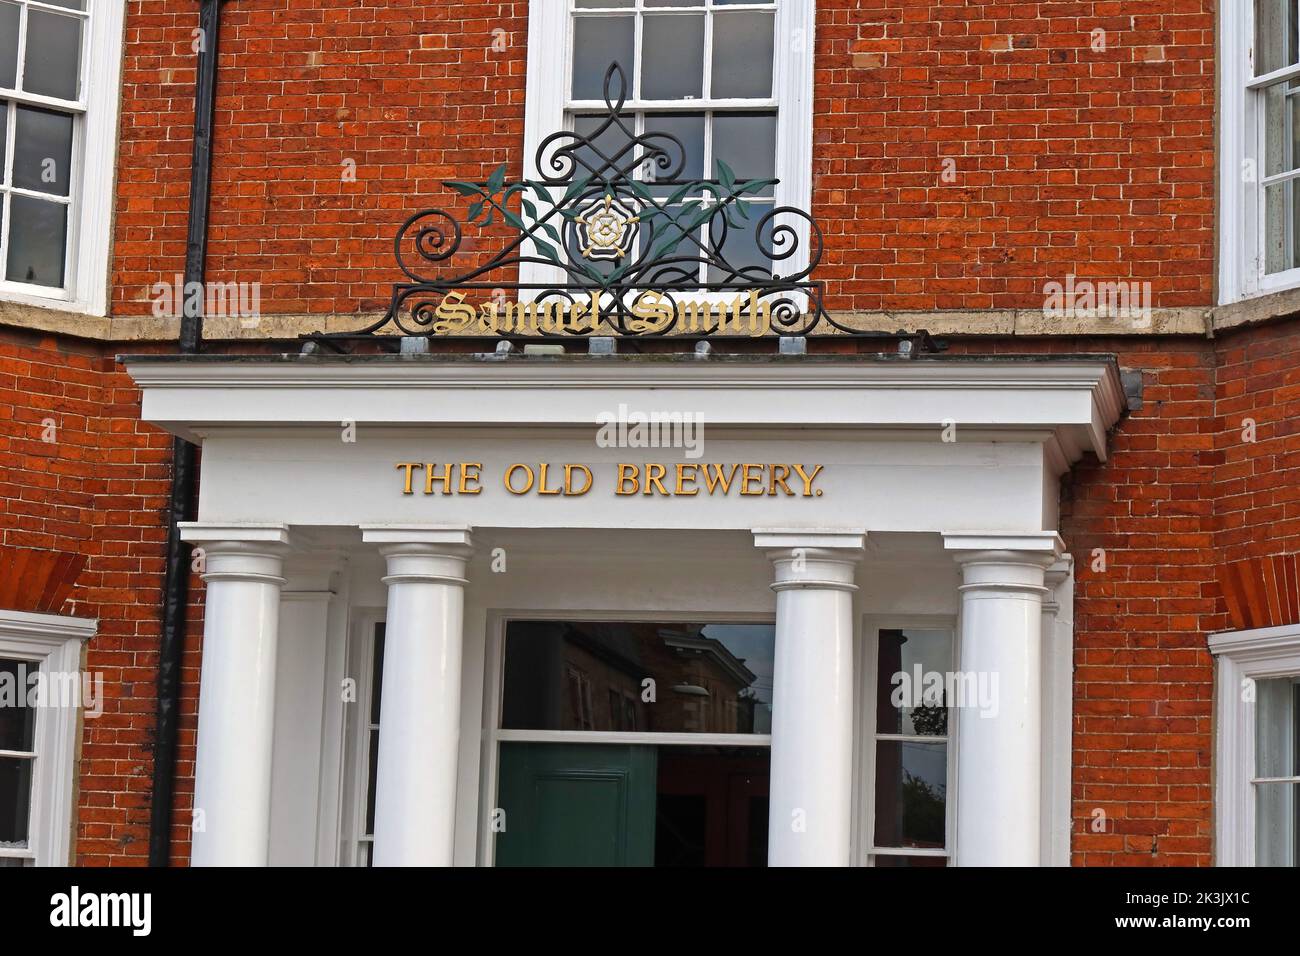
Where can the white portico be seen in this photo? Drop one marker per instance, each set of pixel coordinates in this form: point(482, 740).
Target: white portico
point(329, 506)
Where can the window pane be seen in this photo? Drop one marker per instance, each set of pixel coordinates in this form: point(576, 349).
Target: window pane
point(747, 143)
point(742, 55)
point(1277, 826)
point(739, 243)
point(598, 41)
point(4, 145)
point(1282, 131)
point(930, 861)
point(674, 3)
point(9, 14)
point(911, 793)
point(672, 58)
point(688, 128)
point(43, 151)
point(1279, 227)
point(1275, 35)
point(377, 670)
point(910, 663)
point(15, 800)
point(18, 722)
point(37, 241)
point(52, 64)
point(712, 678)
point(70, 4)
point(595, 4)
point(1277, 728)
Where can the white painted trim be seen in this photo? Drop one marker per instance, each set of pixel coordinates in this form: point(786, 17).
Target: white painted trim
point(55, 642)
point(90, 226)
point(1256, 654)
point(1058, 716)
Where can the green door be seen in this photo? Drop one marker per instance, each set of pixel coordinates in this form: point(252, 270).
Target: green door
point(576, 805)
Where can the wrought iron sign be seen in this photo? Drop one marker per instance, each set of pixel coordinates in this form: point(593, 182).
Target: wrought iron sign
point(610, 240)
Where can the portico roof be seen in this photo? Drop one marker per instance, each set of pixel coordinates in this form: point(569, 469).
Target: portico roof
point(1071, 401)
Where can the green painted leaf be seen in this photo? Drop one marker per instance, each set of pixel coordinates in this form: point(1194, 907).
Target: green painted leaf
point(529, 209)
point(475, 211)
point(465, 189)
point(497, 180)
point(727, 176)
point(514, 220)
point(546, 249)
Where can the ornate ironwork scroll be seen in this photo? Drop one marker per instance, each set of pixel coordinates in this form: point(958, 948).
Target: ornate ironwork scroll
point(611, 240)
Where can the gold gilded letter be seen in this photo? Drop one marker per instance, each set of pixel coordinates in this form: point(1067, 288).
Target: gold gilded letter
point(654, 474)
point(431, 475)
point(748, 478)
point(779, 474)
point(469, 472)
point(510, 487)
point(569, 471)
point(541, 481)
point(682, 480)
point(808, 479)
point(628, 474)
point(713, 478)
point(410, 466)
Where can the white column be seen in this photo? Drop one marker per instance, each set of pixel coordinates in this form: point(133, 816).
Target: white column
point(999, 758)
point(419, 716)
point(812, 695)
point(242, 566)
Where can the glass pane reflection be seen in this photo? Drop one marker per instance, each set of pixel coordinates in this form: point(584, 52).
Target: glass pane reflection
point(645, 677)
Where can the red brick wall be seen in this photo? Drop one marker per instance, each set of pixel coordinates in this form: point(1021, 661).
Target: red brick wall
point(1066, 158)
point(1172, 501)
point(98, 489)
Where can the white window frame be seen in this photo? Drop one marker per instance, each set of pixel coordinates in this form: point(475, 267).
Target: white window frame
point(94, 163)
point(547, 102)
point(356, 743)
point(1254, 655)
point(1241, 224)
point(864, 817)
point(52, 643)
point(494, 697)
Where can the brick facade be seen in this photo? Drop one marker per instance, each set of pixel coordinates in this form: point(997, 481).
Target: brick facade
point(1068, 158)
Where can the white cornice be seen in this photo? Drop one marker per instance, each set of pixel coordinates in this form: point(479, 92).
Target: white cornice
point(1076, 400)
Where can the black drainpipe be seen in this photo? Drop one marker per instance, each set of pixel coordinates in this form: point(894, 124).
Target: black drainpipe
point(180, 506)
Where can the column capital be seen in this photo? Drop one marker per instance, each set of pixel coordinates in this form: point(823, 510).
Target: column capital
point(1011, 562)
point(210, 533)
point(433, 553)
point(812, 558)
point(240, 552)
point(1033, 545)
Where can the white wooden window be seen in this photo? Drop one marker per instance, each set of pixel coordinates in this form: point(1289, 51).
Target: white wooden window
point(731, 80)
point(906, 785)
point(1258, 767)
point(60, 65)
point(40, 697)
point(366, 661)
